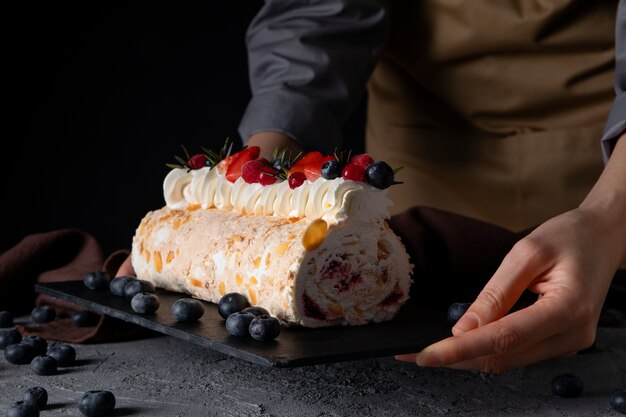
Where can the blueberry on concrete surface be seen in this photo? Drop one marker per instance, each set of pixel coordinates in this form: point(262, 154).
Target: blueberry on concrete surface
point(379, 174)
point(19, 354)
point(136, 286)
point(257, 311)
point(96, 403)
point(118, 283)
point(97, 280)
point(44, 365)
point(567, 386)
point(37, 396)
point(64, 354)
point(6, 319)
point(145, 303)
point(456, 311)
point(23, 409)
point(38, 343)
point(85, 319)
point(230, 303)
point(9, 337)
point(187, 309)
point(237, 324)
point(43, 314)
point(618, 401)
point(264, 328)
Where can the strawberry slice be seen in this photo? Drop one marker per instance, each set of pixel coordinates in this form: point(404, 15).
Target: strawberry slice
point(234, 163)
point(311, 165)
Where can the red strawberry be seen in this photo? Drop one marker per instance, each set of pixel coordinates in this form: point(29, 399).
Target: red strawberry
point(311, 165)
point(296, 179)
point(234, 163)
point(197, 161)
point(305, 161)
point(363, 160)
point(353, 172)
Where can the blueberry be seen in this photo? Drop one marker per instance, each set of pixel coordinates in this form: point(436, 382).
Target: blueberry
point(9, 337)
point(19, 354)
point(43, 314)
point(85, 319)
point(232, 303)
point(96, 403)
point(237, 324)
point(44, 365)
point(23, 409)
point(331, 169)
point(264, 328)
point(379, 174)
point(567, 386)
point(257, 311)
point(187, 309)
point(618, 401)
point(38, 343)
point(37, 396)
point(279, 164)
point(117, 285)
point(64, 354)
point(134, 287)
point(145, 303)
point(456, 311)
point(98, 280)
point(6, 319)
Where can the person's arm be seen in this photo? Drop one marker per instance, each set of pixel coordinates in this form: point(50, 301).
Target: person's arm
point(309, 62)
point(569, 261)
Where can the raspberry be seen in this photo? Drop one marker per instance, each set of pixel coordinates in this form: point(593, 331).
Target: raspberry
point(252, 171)
point(197, 161)
point(296, 179)
point(353, 172)
point(363, 160)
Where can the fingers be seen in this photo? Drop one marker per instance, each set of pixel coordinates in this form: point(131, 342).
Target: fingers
point(526, 261)
point(126, 268)
point(514, 332)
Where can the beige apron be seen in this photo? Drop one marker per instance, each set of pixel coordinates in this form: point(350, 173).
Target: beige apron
point(494, 108)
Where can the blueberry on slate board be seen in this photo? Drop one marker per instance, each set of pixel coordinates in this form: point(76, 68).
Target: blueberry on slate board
point(118, 283)
point(97, 280)
point(9, 337)
point(237, 324)
point(19, 354)
point(145, 303)
point(230, 303)
point(23, 409)
point(85, 319)
point(187, 309)
point(618, 401)
point(64, 354)
point(567, 386)
point(379, 174)
point(456, 311)
point(264, 328)
point(44, 365)
point(96, 403)
point(257, 311)
point(134, 287)
point(6, 319)
point(38, 343)
point(43, 314)
point(37, 396)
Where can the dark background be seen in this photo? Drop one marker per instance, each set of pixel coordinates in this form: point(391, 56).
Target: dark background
point(101, 96)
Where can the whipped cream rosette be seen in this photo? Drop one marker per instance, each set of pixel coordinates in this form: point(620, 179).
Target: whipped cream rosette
point(317, 254)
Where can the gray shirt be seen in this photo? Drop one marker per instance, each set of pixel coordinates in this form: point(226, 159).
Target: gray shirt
point(309, 62)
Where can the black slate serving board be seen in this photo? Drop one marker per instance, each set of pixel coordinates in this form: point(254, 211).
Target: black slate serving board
point(410, 331)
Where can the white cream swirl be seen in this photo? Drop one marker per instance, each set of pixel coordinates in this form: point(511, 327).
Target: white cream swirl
point(332, 200)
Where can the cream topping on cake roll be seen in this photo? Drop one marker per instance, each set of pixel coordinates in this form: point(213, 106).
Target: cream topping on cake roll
point(332, 200)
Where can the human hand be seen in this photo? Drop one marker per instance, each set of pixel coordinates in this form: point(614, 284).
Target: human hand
point(569, 262)
point(268, 141)
point(126, 268)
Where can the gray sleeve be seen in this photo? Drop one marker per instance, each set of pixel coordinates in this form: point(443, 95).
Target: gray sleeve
point(616, 123)
point(309, 62)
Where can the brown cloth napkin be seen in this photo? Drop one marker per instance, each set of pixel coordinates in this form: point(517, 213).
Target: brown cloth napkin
point(454, 256)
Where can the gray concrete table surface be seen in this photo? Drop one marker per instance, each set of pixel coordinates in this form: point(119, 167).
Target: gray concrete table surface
point(163, 376)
